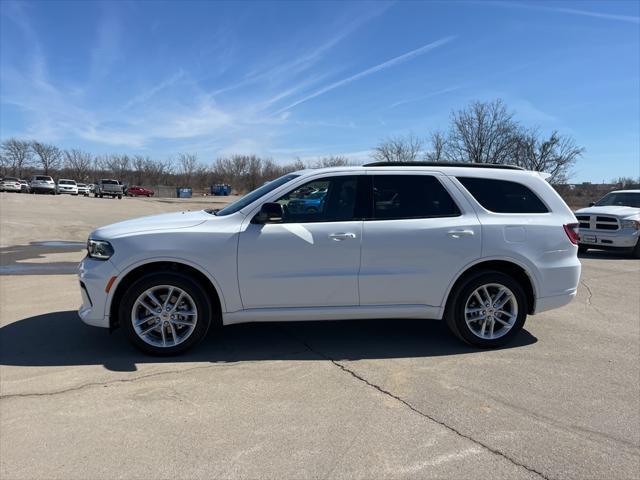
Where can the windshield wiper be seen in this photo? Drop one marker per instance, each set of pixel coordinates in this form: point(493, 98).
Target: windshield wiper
point(212, 211)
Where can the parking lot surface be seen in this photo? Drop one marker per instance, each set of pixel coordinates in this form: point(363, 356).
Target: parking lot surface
point(362, 399)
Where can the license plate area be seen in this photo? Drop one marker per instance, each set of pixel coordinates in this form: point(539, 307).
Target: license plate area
point(588, 239)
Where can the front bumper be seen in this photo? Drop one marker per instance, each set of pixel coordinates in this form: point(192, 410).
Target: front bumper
point(626, 238)
point(94, 276)
point(10, 188)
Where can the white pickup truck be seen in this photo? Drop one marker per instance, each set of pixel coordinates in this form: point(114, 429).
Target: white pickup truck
point(611, 223)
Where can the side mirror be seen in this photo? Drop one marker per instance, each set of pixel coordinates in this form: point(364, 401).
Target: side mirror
point(592, 204)
point(269, 213)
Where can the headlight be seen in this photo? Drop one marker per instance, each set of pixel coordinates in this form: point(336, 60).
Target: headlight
point(635, 224)
point(99, 249)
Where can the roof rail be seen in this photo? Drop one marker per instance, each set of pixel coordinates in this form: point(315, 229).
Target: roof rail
point(442, 164)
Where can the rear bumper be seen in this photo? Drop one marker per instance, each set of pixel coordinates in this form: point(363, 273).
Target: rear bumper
point(549, 303)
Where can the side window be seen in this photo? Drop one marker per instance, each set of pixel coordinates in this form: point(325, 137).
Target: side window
point(502, 196)
point(330, 199)
point(411, 196)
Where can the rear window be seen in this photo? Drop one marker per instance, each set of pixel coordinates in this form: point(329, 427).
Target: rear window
point(43, 178)
point(10, 179)
point(411, 196)
point(502, 196)
point(109, 182)
point(66, 182)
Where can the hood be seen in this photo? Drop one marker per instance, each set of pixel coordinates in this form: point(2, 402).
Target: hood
point(616, 210)
point(166, 221)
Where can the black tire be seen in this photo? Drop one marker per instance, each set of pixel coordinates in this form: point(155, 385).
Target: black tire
point(636, 250)
point(101, 196)
point(119, 197)
point(455, 310)
point(582, 249)
point(177, 279)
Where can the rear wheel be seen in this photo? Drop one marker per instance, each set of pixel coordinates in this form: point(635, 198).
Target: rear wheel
point(487, 309)
point(636, 250)
point(165, 313)
point(119, 197)
point(582, 249)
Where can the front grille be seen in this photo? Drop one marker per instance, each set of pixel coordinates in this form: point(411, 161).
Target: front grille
point(606, 223)
point(599, 222)
point(584, 221)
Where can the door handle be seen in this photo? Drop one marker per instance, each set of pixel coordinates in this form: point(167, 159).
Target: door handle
point(460, 233)
point(338, 237)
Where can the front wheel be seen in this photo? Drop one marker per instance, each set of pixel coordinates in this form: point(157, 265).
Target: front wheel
point(487, 309)
point(636, 250)
point(165, 313)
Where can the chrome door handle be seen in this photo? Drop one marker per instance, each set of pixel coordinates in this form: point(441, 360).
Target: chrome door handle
point(338, 237)
point(460, 233)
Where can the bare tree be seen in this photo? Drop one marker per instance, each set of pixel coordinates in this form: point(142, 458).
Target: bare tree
point(116, 165)
point(438, 144)
point(187, 165)
point(484, 132)
point(78, 163)
point(16, 155)
point(398, 149)
point(555, 155)
point(49, 156)
point(332, 161)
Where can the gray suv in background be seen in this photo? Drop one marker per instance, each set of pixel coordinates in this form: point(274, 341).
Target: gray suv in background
point(108, 187)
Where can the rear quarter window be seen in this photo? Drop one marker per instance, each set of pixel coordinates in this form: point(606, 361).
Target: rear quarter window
point(503, 196)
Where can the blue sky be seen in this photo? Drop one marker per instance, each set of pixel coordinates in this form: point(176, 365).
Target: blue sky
point(302, 79)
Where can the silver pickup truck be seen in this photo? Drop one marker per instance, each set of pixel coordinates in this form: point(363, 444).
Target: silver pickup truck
point(611, 223)
point(108, 187)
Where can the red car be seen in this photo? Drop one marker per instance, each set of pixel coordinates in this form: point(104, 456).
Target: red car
point(136, 191)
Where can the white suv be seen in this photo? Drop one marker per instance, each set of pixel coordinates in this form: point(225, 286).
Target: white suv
point(478, 247)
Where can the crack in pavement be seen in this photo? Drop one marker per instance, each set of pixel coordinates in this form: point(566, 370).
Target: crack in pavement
point(454, 430)
point(590, 297)
point(102, 384)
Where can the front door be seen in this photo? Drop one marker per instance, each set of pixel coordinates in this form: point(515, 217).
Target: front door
point(312, 257)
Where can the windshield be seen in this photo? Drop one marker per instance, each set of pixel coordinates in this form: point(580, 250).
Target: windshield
point(257, 193)
point(622, 199)
point(66, 182)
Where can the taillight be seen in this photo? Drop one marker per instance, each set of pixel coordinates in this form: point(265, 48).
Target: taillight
point(571, 229)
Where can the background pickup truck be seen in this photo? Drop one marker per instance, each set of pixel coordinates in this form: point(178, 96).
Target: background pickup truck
point(108, 187)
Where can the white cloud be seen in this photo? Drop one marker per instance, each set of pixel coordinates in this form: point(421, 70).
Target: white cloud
point(369, 71)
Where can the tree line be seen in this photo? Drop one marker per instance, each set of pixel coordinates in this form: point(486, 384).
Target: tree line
point(483, 132)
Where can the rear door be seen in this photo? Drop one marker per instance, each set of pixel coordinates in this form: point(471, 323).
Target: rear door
point(419, 237)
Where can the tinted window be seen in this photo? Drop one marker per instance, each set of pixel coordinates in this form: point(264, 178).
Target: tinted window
point(42, 178)
point(501, 196)
point(256, 194)
point(411, 196)
point(324, 200)
point(109, 182)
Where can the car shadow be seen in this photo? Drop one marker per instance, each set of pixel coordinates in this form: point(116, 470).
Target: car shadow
point(61, 339)
point(15, 260)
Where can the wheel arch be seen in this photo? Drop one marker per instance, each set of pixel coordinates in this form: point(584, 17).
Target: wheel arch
point(509, 267)
point(137, 271)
